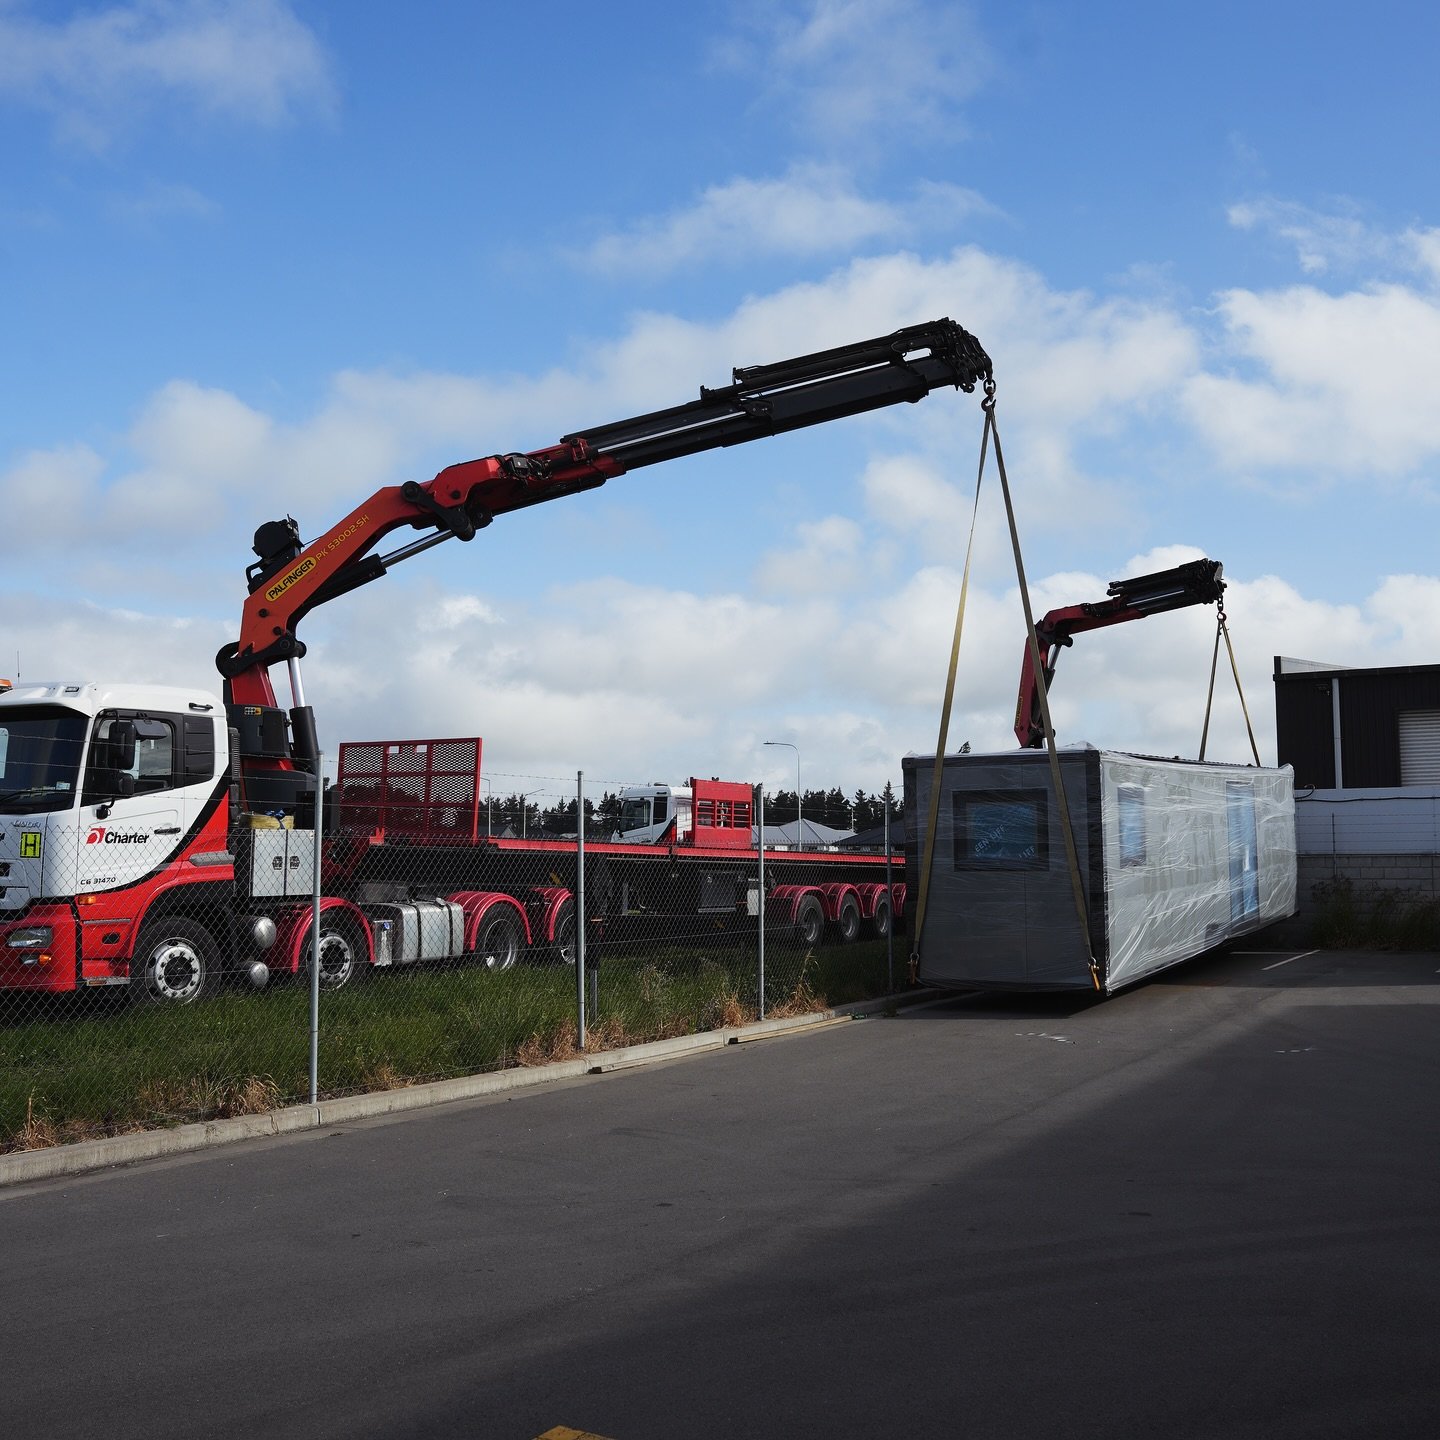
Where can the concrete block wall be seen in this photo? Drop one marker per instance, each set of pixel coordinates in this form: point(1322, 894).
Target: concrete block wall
point(1414, 875)
point(1409, 872)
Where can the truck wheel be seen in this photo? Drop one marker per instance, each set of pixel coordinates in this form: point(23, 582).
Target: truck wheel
point(341, 957)
point(810, 921)
point(880, 920)
point(173, 962)
point(562, 951)
point(498, 947)
point(847, 923)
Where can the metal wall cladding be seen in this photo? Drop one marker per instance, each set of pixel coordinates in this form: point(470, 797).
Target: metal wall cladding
point(1304, 728)
point(422, 930)
point(1009, 922)
point(1370, 706)
point(1371, 703)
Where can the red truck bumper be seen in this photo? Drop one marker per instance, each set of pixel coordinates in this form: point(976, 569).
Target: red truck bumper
point(37, 951)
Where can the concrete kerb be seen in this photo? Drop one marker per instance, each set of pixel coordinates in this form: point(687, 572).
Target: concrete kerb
point(57, 1161)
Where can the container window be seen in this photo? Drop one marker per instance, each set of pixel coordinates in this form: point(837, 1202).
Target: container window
point(1001, 830)
point(1244, 849)
point(1131, 804)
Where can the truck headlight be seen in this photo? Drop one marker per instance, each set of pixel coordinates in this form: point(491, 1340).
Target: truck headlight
point(29, 937)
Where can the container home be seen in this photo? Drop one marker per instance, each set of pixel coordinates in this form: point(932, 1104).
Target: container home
point(1174, 857)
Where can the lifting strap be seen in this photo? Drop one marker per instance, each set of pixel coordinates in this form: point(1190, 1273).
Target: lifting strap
point(928, 856)
point(1221, 628)
point(1067, 829)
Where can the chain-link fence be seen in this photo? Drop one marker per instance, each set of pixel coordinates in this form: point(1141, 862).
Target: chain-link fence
point(156, 956)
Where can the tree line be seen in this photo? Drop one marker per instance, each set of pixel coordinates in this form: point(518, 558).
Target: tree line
point(525, 814)
point(831, 807)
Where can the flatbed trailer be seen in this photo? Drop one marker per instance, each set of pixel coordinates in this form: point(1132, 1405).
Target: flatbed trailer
point(407, 822)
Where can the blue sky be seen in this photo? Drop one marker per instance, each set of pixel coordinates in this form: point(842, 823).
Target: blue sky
point(263, 258)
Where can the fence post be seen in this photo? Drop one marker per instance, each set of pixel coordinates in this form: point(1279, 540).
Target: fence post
point(592, 971)
point(890, 904)
point(580, 904)
point(760, 898)
point(319, 834)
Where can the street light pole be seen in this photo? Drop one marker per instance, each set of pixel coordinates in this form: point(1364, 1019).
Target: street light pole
point(525, 808)
point(799, 807)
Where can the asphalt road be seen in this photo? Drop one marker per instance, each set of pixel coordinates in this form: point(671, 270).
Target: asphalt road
point(1205, 1207)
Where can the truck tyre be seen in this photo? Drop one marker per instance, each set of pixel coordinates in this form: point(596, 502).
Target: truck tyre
point(341, 956)
point(173, 963)
point(498, 945)
point(562, 951)
point(880, 921)
point(809, 921)
point(847, 922)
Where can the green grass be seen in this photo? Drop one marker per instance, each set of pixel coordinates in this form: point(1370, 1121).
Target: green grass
point(72, 1067)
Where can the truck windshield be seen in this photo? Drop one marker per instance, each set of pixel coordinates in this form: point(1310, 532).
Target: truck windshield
point(40, 751)
point(634, 814)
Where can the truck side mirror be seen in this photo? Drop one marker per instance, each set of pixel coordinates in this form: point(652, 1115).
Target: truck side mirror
point(111, 785)
point(121, 741)
point(103, 787)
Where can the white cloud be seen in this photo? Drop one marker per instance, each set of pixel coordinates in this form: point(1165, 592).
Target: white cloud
point(908, 494)
point(1340, 384)
point(47, 494)
point(829, 550)
point(205, 434)
point(1424, 245)
point(57, 637)
point(811, 210)
point(157, 202)
point(1321, 241)
point(1340, 239)
point(252, 61)
point(632, 683)
point(201, 467)
point(1408, 607)
point(856, 72)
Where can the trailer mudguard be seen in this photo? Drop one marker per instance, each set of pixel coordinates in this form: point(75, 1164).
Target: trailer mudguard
point(478, 905)
point(870, 894)
point(547, 902)
point(833, 896)
point(293, 933)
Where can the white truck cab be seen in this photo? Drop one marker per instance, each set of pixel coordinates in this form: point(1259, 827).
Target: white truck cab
point(702, 813)
point(648, 812)
point(101, 783)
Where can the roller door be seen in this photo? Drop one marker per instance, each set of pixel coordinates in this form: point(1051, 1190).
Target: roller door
point(1420, 747)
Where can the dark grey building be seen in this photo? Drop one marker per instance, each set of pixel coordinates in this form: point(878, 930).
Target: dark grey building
point(1357, 729)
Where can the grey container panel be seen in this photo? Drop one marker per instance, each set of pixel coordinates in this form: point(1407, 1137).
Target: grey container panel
point(1001, 911)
